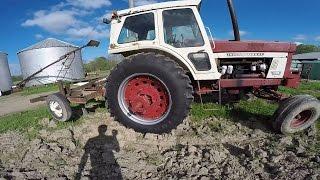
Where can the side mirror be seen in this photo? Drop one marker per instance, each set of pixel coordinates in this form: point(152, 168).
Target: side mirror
point(107, 20)
point(93, 43)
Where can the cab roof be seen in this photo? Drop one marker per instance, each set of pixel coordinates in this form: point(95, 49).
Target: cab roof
point(163, 5)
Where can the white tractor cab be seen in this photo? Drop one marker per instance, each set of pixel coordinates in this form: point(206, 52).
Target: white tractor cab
point(170, 56)
point(174, 28)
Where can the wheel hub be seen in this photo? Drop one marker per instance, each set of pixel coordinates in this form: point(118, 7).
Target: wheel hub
point(146, 97)
point(301, 118)
point(56, 108)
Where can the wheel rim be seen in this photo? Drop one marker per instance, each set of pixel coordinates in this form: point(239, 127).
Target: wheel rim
point(56, 109)
point(144, 98)
point(302, 118)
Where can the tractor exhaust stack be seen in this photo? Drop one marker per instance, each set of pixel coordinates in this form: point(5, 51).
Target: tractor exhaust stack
point(234, 20)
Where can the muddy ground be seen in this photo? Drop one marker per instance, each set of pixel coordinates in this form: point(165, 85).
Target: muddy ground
point(101, 148)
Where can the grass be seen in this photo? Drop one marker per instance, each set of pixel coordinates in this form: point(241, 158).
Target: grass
point(241, 110)
point(16, 79)
point(208, 110)
point(29, 122)
point(251, 109)
point(246, 110)
point(39, 89)
point(24, 122)
point(311, 88)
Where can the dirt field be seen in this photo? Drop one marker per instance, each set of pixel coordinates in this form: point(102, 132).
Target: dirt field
point(17, 103)
point(101, 148)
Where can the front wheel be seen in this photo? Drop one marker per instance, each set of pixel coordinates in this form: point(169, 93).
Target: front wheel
point(296, 114)
point(149, 93)
point(59, 107)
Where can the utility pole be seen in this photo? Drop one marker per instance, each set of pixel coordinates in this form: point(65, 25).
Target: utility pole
point(131, 3)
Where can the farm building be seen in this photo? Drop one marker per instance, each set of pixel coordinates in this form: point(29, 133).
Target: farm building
point(5, 76)
point(36, 57)
point(309, 63)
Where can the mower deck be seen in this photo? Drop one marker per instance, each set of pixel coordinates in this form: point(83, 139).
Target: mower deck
point(93, 89)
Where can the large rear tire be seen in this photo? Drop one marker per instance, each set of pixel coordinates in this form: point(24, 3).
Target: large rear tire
point(296, 114)
point(149, 93)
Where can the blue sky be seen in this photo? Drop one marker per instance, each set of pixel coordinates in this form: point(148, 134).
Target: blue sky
point(25, 22)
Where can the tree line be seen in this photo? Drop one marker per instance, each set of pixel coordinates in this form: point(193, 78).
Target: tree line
point(100, 64)
point(307, 48)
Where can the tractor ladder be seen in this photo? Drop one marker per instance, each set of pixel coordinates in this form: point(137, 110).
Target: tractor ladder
point(212, 89)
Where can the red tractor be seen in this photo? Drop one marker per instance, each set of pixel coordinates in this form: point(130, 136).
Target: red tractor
point(170, 56)
point(170, 59)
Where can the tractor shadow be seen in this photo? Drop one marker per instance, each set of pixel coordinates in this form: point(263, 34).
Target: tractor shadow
point(78, 111)
point(252, 120)
point(99, 150)
point(241, 115)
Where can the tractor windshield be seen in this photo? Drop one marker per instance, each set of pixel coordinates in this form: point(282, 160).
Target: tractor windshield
point(137, 28)
point(181, 28)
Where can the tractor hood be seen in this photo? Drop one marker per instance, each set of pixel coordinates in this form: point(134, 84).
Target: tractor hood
point(252, 46)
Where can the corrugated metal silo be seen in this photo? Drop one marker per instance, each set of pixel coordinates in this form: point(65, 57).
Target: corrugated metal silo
point(45, 52)
point(5, 76)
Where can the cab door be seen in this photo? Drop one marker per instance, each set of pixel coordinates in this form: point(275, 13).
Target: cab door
point(130, 32)
point(182, 31)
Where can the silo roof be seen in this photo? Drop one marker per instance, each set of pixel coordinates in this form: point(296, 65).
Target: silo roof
point(3, 53)
point(48, 43)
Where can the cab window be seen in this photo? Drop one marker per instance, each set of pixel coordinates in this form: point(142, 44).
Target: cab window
point(138, 28)
point(181, 28)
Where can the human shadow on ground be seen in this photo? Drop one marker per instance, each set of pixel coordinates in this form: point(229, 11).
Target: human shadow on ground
point(100, 151)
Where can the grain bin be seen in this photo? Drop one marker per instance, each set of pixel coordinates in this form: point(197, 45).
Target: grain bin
point(5, 76)
point(35, 57)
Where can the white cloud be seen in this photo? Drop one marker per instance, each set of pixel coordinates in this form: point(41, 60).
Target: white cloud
point(56, 21)
point(317, 38)
point(88, 32)
point(242, 33)
point(38, 36)
point(298, 43)
point(71, 19)
point(144, 2)
point(300, 37)
point(90, 4)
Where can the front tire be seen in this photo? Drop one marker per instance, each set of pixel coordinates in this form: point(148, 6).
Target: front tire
point(296, 114)
point(149, 93)
point(59, 107)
